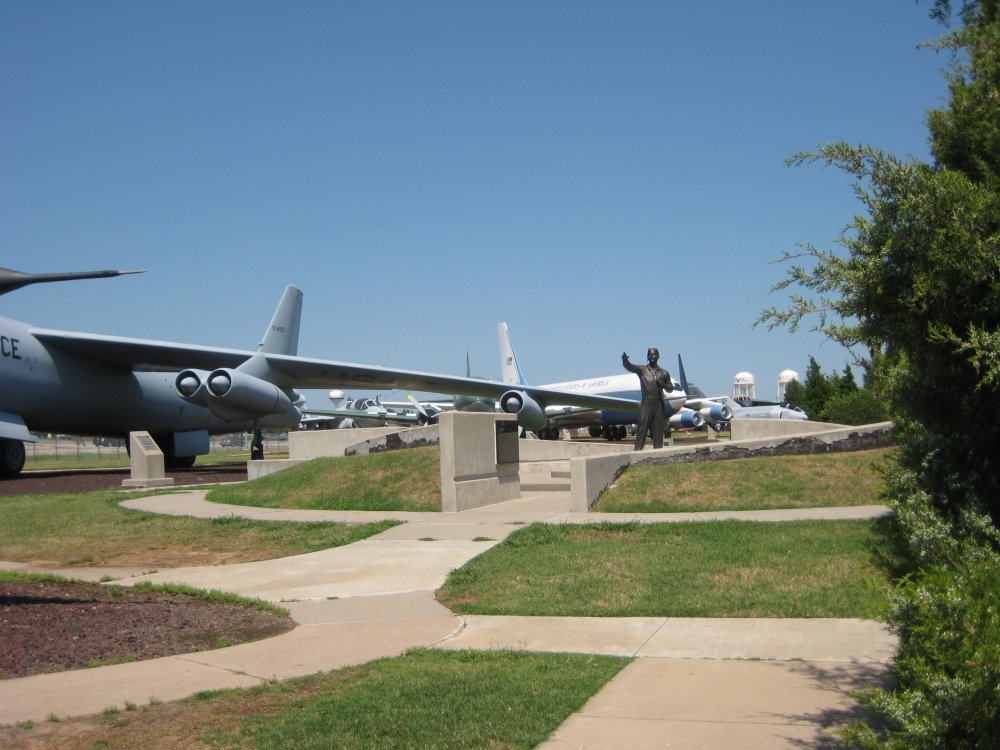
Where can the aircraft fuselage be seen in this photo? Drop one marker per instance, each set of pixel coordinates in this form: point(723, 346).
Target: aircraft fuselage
point(53, 391)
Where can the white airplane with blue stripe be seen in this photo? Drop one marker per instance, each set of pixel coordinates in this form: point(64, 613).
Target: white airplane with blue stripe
point(610, 423)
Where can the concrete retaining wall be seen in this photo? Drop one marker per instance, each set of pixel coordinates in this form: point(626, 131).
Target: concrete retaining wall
point(590, 476)
point(754, 429)
point(306, 444)
point(416, 437)
point(561, 450)
point(258, 469)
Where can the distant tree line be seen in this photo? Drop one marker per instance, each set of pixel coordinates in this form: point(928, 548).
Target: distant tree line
point(836, 397)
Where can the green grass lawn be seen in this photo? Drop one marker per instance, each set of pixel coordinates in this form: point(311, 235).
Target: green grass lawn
point(707, 569)
point(92, 529)
point(813, 481)
point(397, 480)
point(423, 699)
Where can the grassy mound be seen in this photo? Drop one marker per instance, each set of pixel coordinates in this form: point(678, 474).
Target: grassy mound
point(398, 480)
point(814, 481)
point(709, 569)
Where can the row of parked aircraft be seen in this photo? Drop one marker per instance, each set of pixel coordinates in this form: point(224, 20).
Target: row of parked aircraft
point(686, 406)
point(81, 383)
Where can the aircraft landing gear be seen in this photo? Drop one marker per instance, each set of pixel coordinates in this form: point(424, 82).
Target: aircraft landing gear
point(257, 446)
point(12, 457)
point(595, 431)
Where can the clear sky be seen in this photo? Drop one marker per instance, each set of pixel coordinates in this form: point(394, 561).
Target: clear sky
point(602, 176)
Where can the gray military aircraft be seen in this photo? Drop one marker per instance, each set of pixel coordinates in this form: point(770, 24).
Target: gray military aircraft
point(83, 383)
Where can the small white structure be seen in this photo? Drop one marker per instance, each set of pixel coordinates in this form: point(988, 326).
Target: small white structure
point(784, 378)
point(147, 462)
point(743, 386)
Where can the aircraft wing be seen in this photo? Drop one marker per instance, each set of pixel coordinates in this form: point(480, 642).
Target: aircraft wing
point(140, 354)
point(318, 373)
point(300, 372)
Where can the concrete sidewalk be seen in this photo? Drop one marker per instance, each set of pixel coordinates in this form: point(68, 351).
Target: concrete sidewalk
point(547, 507)
point(695, 704)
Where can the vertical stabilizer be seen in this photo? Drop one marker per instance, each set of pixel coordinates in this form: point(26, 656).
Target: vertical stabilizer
point(468, 367)
point(508, 359)
point(683, 377)
point(282, 336)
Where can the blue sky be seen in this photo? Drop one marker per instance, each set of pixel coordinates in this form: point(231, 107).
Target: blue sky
point(602, 176)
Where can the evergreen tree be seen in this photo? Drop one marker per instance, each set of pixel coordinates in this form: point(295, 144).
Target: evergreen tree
point(817, 390)
point(795, 394)
point(917, 301)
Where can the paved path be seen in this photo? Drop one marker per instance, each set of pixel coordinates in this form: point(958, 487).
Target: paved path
point(684, 689)
point(548, 507)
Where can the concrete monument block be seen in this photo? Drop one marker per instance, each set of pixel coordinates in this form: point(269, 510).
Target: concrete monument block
point(479, 460)
point(147, 462)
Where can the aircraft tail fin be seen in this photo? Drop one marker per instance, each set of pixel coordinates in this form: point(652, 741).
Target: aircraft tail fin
point(282, 336)
point(468, 367)
point(508, 359)
point(682, 376)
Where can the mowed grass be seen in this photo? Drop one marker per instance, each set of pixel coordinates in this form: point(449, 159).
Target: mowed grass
point(813, 481)
point(423, 699)
point(92, 529)
point(397, 480)
point(705, 569)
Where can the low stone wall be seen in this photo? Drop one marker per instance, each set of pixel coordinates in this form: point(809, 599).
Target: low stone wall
point(562, 450)
point(258, 469)
point(842, 440)
point(754, 429)
point(590, 476)
point(306, 444)
point(416, 437)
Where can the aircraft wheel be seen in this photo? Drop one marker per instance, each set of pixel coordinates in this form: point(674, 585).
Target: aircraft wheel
point(12, 457)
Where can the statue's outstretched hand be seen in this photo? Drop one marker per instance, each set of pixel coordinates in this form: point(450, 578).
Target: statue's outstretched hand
point(624, 357)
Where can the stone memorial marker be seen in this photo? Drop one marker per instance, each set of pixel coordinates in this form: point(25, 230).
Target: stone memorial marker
point(147, 462)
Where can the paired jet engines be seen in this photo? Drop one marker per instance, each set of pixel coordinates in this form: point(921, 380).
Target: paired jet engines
point(231, 395)
point(716, 413)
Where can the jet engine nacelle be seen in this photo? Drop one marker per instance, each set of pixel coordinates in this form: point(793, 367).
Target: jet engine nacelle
point(716, 413)
point(530, 415)
point(232, 395)
point(686, 419)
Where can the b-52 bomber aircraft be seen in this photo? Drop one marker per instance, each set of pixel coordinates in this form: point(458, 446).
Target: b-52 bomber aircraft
point(90, 384)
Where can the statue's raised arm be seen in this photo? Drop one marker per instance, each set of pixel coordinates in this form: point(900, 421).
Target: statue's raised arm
point(628, 365)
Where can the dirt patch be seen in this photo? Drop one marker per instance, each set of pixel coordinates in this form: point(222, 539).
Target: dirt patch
point(51, 627)
point(63, 481)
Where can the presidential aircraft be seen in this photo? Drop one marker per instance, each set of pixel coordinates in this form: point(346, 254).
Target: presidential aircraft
point(90, 384)
point(611, 423)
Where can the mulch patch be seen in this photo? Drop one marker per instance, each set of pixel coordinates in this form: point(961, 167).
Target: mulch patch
point(50, 627)
point(61, 481)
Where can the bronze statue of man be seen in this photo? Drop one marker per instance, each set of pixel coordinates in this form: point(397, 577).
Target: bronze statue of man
point(652, 378)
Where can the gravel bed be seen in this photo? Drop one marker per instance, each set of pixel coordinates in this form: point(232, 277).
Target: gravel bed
point(52, 482)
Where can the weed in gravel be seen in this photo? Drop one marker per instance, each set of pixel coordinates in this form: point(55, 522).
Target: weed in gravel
point(129, 706)
point(105, 578)
point(26, 724)
point(110, 711)
point(115, 591)
point(154, 701)
point(224, 642)
point(52, 717)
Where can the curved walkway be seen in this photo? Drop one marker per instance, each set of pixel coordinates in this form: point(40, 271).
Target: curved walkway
point(375, 598)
